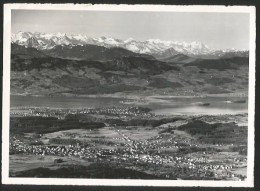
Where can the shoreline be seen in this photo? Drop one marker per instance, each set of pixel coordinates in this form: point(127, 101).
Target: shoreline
point(134, 96)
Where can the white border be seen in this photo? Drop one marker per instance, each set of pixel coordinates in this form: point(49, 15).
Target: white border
point(123, 182)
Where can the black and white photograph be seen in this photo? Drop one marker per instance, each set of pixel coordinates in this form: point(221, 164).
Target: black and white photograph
point(150, 95)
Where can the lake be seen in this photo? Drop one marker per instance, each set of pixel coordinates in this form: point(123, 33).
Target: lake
point(164, 106)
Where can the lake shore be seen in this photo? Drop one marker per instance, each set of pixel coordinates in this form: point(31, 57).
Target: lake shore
point(134, 95)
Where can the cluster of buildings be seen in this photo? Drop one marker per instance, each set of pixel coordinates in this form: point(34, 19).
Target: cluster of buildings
point(134, 152)
point(17, 146)
point(122, 111)
point(41, 112)
point(61, 113)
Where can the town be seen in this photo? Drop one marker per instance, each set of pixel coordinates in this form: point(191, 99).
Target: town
point(168, 153)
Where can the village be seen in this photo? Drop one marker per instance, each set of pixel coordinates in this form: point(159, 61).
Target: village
point(61, 113)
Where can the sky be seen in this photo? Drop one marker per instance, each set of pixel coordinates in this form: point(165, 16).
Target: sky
point(217, 30)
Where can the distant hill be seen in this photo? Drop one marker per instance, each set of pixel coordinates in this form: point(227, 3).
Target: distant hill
point(236, 54)
point(22, 52)
point(90, 52)
point(39, 72)
point(179, 58)
point(222, 54)
point(220, 64)
point(166, 53)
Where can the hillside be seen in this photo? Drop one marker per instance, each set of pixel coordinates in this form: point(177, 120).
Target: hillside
point(22, 52)
point(83, 52)
point(39, 72)
point(178, 58)
point(90, 52)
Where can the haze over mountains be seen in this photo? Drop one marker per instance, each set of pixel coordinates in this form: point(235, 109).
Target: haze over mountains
point(60, 64)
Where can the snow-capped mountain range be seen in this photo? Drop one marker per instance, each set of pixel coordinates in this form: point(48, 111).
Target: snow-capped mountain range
point(155, 47)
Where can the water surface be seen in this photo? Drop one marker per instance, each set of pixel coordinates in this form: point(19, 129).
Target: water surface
point(163, 106)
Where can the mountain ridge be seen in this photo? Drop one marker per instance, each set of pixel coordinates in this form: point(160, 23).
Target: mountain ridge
point(84, 52)
point(153, 47)
point(35, 73)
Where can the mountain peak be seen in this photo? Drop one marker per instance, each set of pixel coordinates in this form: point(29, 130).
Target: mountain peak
point(150, 46)
point(129, 40)
point(59, 34)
